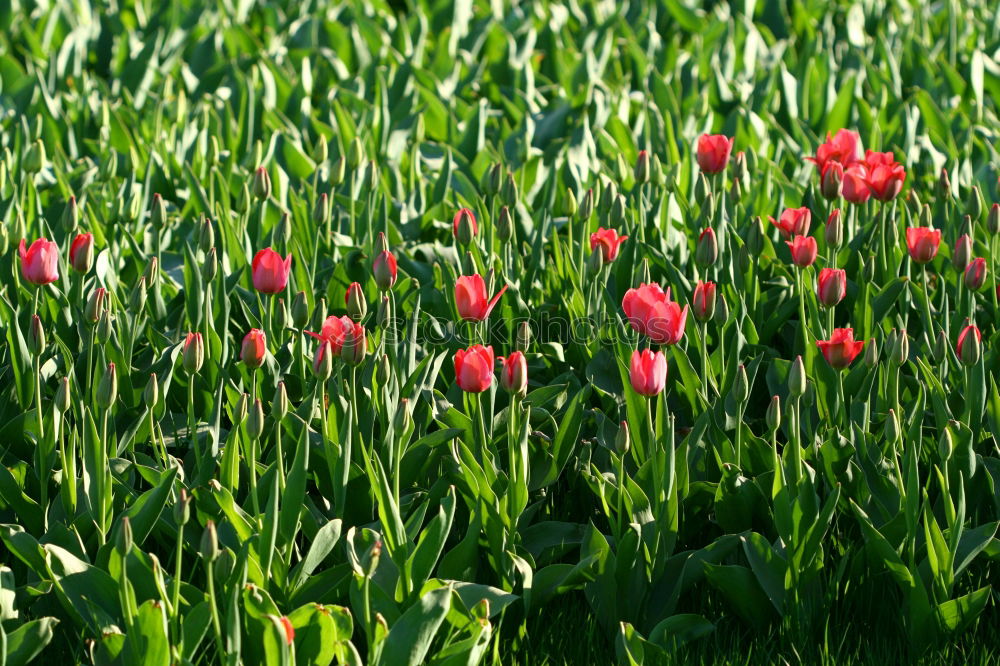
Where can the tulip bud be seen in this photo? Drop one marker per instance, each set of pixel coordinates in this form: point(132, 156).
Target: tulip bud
point(993, 219)
point(834, 232)
point(210, 267)
point(210, 543)
point(81, 253)
point(34, 157)
point(944, 185)
point(151, 393)
point(355, 153)
point(595, 262)
point(946, 444)
point(261, 184)
point(382, 370)
point(103, 330)
point(508, 191)
point(570, 203)
point(243, 200)
point(773, 415)
point(721, 310)
point(707, 250)
point(505, 225)
point(36, 336)
point(193, 355)
point(319, 314)
point(240, 411)
point(402, 419)
point(707, 214)
point(338, 171)
point(70, 216)
point(607, 197)
point(797, 378)
point(974, 206)
point(283, 230)
point(971, 350)
point(940, 350)
point(743, 259)
point(214, 151)
point(523, 336)
point(206, 236)
point(384, 270)
point(321, 213)
point(255, 420)
point(62, 401)
point(755, 235)
point(152, 271)
point(123, 544)
point(320, 152)
point(925, 218)
point(623, 439)
point(871, 353)
point(832, 181)
point(137, 299)
point(702, 189)
point(383, 317)
point(280, 316)
point(900, 352)
point(868, 272)
point(967, 227)
point(323, 361)
point(300, 311)
point(963, 252)
point(182, 508)
point(107, 388)
point(355, 346)
point(892, 431)
point(975, 274)
point(642, 168)
point(741, 386)
point(357, 306)
point(913, 202)
point(616, 215)
point(279, 404)
point(621, 168)
point(493, 179)
point(587, 205)
point(465, 227)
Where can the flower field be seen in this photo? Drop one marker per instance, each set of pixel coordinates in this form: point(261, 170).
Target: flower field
point(499, 333)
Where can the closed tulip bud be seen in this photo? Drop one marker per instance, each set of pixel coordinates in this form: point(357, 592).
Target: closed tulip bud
point(570, 203)
point(963, 252)
point(890, 341)
point(254, 348)
point(211, 266)
point(123, 544)
point(255, 420)
point(508, 191)
point(243, 200)
point(34, 158)
point(702, 189)
point(743, 259)
point(151, 393)
point(740, 166)
point(242, 406)
point(323, 361)
point(616, 216)
point(370, 179)
point(209, 543)
point(968, 227)
point(913, 202)
point(993, 219)
point(283, 230)
point(832, 180)
point(383, 317)
point(707, 214)
point(871, 353)
point(735, 193)
point(587, 205)
point(834, 232)
point(384, 268)
point(182, 508)
point(382, 370)
point(595, 262)
point(975, 274)
point(944, 185)
point(206, 236)
point(357, 306)
point(755, 235)
point(831, 286)
point(523, 336)
point(514, 374)
point(707, 250)
point(214, 151)
point(320, 151)
point(969, 346)
point(81, 253)
point(940, 350)
point(741, 386)
point(900, 352)
point(355, 153)
point(703, 301)
point(321, 213)
point(319, 314)
point(36, 336)
point(868, 272)
point(892, 432)
point(279, 403)
point(193, 355)
point(355, 346)
point(623, 440)
point(402, 420)
point(493, 179)
point(946, 444)
point(152, 271)
point(70, 216)
point(773, 415)
point(505, 225)
point(622, 168)
point(107, 388)
point(721, 310)
point(608, 194)
point(974, 206)
point(137, 299)
point(103, 330)
point(338, 171)
point(280, 316)
point(300, 311)
point(797, 379)
point(642, 168)
point(464, 226)
point(261, 184)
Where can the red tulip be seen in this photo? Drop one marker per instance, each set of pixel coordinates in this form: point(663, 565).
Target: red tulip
point(842, 148)
point(355, 344)
point(270, 271)
point(793, 221)
point(832, 180)
point(885, 175)
point(713, 152)
point(651, 312)
point(40, 262)
point(648, 372)
point(193, 354)
point(972, 351)
point(841, 349)
point(856, 184)
point(464, 226)
point(975, 274)
point(81, 253)
point(254, 348)
point(334, 331)
point(608, 240)
point(384, 270)
point(831, 287)
point(833, 233)
point(514, 374)
point(470, 297)
point(703, 301)
point(922, 242)
point(803, 250)
point(474, 368)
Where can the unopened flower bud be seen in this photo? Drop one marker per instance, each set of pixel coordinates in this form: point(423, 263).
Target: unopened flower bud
point(152, 271)
point(721, 315)
point(941, 347)
point(319, 314)
point(974, 206)
point(103, 330)
point(137, 299)
point(741, 386)
point(892, 431)
point(797, 378)
point(323, 361)
point(871, 353)
point(383, 318)
point(123, 544)
point(523, 336)
point(261, 184)
point(300, 310)
point(107, 388)
point(587, 205)
point(355, 346)
point(707, 251)
point(62, 402)
point(36, 336)
point(210, 543)
point(357, 306)
point(402, 420)
point(641, 171)
point(193, 355)
point(151, 393)
point(279, 404)
point(595, 262)
point(946, 444)
point(255, 420)
point(834, 232)
point(944, 185)
point(243, 200)
point(338, 171)
point(963, 252)
point(382, 369)
point(900, 352)
point(206, 236)
point(70, 216)
point(993, 219)
point(975, 274)
point(623, 440)
point(773, 414)
point(570, 204)
point(34, 158)
point(182, 508)
point(505, 225)
point(210, 267)
point(755, 235)
point(508, 191)
point(355, 153)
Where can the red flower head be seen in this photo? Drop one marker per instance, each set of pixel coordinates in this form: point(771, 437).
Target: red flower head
point(335, 331)
point(270, 271)
point(841, 349)
point(648, 372)
point(831, 287)
point(514, 374)
point(803, 250)
point(384, 269)
point(474, 368)
point(975, 274)
point(703, 301)
point(856, 184)
point(471, 298)
point(608, 240)
point(885, 175)
point(963, 339)
point(842, 148)
point(40, 262)
point(831, 180)
point(464, 226)
point(651, 312)
point(81, 253)
point(254, 348)
point(793, 222)
point(922, 242)
point(713, 152)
